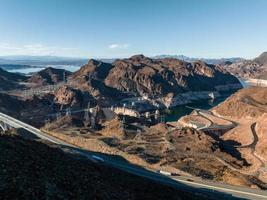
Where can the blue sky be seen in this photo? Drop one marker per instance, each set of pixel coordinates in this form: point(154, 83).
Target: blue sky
point(120, 28)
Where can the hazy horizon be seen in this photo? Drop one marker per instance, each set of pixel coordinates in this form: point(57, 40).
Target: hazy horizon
point(16, 56)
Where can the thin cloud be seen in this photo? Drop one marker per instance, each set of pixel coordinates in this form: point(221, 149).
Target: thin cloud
point(34, 49)
point(118, 46)
point(7, 46)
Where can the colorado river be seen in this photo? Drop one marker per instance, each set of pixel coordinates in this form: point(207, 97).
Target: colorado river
point(173, 114)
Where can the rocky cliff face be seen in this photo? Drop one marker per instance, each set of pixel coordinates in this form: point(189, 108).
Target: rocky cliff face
point(142, 75)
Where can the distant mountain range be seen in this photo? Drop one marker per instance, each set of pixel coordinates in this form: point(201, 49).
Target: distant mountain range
point(255, 68)
point(57, 60)
point(207, 60)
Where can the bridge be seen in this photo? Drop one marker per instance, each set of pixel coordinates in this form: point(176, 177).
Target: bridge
point(190, 183)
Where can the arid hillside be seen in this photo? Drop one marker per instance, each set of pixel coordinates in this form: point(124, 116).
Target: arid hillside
point(240, 121)
point(185, 150)
point(38, 170)
point(249, 102)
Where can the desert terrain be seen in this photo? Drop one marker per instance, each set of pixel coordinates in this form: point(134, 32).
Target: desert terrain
point(246, 112)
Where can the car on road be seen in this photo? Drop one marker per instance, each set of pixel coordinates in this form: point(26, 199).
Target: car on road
point(98, 158)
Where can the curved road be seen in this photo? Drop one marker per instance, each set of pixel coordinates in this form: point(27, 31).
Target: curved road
point(234, 124)
point(202, 113)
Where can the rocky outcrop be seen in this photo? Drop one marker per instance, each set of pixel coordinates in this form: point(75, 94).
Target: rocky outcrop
point(262, 59)
point(90, 78)
point(94, 69)
point(49, 76)
point(68, 96)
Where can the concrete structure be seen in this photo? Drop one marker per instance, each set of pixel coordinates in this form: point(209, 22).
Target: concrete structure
point(126, 111)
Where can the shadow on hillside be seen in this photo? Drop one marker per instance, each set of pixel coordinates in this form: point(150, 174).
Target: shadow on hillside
point(121, 164)
point(229, 147)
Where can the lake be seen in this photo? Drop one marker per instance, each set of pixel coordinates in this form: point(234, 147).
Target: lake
point(173, 114)
point(31, 70)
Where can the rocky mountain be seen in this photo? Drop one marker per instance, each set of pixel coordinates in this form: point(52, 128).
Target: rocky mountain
point(94, 69)
point(213, 61)
point(49, 76)
point(142, 75)
point(90, 78)
point(68, 96)
point(262, 59)
point(256, 68)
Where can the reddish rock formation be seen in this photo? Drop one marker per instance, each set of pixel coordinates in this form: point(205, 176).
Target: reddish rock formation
point(141, 75)
point(49, 76)
point(68, 96)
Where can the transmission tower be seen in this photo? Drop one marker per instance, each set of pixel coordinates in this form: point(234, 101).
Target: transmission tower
point(86, 115)
point(86, 112)
point(58, 115)
point(162, 118)
point(92, 122)
point(68, 112)
point(64, 77)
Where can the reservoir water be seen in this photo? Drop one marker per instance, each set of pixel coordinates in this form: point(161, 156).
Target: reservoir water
point(177, 112)
point(31, 70)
